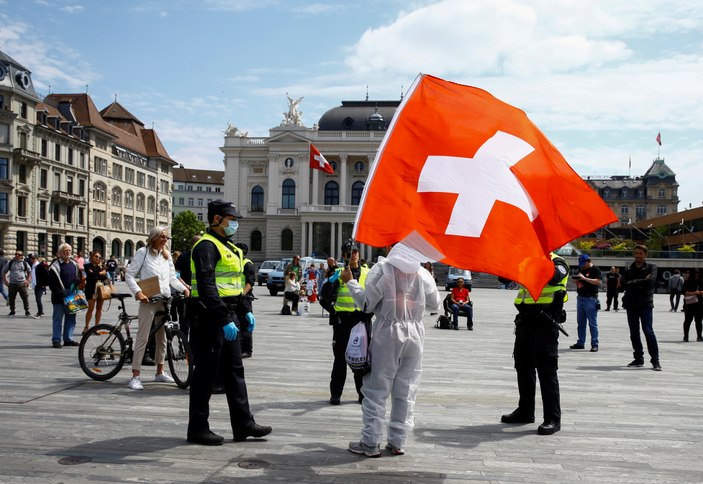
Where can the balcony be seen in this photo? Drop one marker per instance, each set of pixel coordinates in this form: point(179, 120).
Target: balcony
point(328, 209)
point(67, 197)
point(23, 155)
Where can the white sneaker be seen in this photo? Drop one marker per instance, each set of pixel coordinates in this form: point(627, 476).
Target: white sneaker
point(164, 378)
point(135, 383)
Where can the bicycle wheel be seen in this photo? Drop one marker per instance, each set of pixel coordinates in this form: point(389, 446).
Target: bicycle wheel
point(101, 352)
point(180, 359)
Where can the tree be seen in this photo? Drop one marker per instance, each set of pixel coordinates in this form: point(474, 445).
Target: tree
point(185, 226)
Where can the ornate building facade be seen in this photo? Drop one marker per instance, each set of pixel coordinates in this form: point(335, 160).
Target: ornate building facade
point(194, 189)
point(71, 173)
point(288, 207)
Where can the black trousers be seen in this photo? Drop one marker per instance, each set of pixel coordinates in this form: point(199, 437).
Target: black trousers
point(340, 338)
point(215, 355)
point(691, 312)
point(247, 342)
point(612, 297)
point(536, 343)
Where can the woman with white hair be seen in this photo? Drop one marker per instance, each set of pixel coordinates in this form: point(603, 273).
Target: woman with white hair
point(152, 260)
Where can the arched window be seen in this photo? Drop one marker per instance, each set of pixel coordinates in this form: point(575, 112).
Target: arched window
point(140, 202)
point(287, 239)
point(151, 205)
point(331, 193)
point(128, 249)
point(116, 248)
point(163, 208)
point(129, 199)
point(116, 196)
point(357, 190)
point(99, 192)
point(255, 242)
point(288, 193)
point(257, 199)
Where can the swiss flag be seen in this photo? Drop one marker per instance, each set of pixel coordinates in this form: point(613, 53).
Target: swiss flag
point(468, 180)
point(659, 139)
point(318, 162)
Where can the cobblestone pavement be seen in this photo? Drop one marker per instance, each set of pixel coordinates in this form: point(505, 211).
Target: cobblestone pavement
point(619, 424)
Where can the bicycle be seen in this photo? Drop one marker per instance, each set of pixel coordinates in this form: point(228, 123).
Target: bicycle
point(103, 350)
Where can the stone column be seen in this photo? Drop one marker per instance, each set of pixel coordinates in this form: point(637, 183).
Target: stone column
point(315, 187)
point(343, 195)
point(273, 190)
point(333, 239)
point(310, 236)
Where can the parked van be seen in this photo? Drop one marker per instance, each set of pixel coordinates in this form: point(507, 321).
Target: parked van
point(453, 274)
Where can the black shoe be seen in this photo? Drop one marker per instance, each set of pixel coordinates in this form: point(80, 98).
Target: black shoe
point(148, 361)
point(39, 315)
point(456, 327)
point(656, 366)
point(594, 349)
point(28, 314)
point(246, 355)
point(71, 343)
point(470, 327)
point(548, 428)
point(685, 339)
point(12, 313)
point(516, 417)
point(335, 400)
point(607, 309)
point(576, 346)
point(636, 364)
point(255, 430)
point(206, 438)
point(361, 399)
point(700, 338)
point(56, 344)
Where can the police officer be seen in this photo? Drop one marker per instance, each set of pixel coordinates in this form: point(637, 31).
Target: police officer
point(536, 341)
point(248, 281)
point(216, 265)
point(347, 316)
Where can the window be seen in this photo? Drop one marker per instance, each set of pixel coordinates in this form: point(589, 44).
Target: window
point(180, 186)
point(331, 193)
point(57, 152)
point(100, 166)
point(662, 193)
point(151, 205)
point(151, 182)
point(255, 241)
point(22, 172)
point(117, 171)
point(641, 211)
point(69, 183)
point(42, 209)
point(4, 168)
point(606, 193)
point(116, 221)
point(333, 164)
point(99, 192)
point(200, 202)
point(128, 199)
point(200, 188)
point(200, 217)
point(70, 156)
point(81, 216)
point(56, 212)
point(99, 218)
point(57, 181)
point(217, 190)
point(140, 202)
point(69, 214)
point(357, 190)
point(44, 147)
point(81, 162)
point(140, 225)
point(181, 201)
point(625, 193)
point(3, 203)
point(208, 189)
point(189, 188)
point(257, 199)
point(288, 194)
point(287, 239)
point(640, 193)
point(5, 136)
point(23, 110)
point(43, 178)
point(141, 179)
point(165, 188)
point(81, 187)
point(163, 208)
point(116, 197)
point(101, 143)
point(624, 210)
point(191, 202)
point(129, 223)
point(661, 209)
point(21, 206)
point(129, 175)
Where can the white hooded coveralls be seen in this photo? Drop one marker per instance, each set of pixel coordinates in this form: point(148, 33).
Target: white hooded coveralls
point(397, 292)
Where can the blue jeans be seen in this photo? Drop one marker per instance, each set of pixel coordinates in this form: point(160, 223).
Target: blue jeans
point(69, 322)
point(634, 317)
point(587, 312)
point(468, 310)
point(2, 289)
point(38, 294)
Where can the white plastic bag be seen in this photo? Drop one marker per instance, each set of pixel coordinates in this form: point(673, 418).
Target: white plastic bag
point(357, 352)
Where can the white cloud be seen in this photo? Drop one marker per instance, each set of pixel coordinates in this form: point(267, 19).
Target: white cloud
point(240, 5)
point(72, 8)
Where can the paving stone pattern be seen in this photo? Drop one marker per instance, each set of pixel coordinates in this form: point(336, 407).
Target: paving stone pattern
point(619, 424)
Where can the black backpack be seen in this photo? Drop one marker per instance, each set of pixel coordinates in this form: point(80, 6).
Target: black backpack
point(328, 295)
point(443, 322)
point(285, 311)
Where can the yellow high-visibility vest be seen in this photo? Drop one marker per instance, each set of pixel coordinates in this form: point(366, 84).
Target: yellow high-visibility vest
point(345, 302)
point(547, 295)
point(229, 271)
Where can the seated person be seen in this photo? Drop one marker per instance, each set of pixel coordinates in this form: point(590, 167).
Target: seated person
point(459, 301)
point(292, 290)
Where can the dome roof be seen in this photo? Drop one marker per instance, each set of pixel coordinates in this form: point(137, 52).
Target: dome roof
point(358, 116)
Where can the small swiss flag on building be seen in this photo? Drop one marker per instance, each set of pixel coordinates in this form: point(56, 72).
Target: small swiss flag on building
point(318, 162)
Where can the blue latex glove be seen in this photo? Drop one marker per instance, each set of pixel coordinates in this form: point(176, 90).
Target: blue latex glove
point(334, 277)
point(252, 322)
point(231, 331)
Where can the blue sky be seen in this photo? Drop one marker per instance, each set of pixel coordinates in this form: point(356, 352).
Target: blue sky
point(600, 78)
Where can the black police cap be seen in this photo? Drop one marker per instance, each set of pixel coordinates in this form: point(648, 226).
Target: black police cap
point(221, 208)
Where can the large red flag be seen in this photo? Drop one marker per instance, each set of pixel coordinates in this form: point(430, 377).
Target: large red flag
point(468, 180)
point(318, 162)
point(659, 139)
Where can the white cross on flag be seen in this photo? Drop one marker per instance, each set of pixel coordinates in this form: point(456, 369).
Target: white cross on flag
point(470, 181)
point(318, 162)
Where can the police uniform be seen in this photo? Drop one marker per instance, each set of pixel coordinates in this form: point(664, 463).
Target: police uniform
point(248, 277)
point(216, 265)
point(536, 342)
point(347, 315)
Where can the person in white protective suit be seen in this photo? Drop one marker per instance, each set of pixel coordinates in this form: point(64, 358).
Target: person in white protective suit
point(398, 292)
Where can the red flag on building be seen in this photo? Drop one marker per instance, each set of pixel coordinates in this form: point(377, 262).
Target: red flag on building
point(468, 180)
point(659, 139)
point(318, 162)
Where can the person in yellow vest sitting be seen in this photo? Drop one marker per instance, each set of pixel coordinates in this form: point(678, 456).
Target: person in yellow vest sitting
point(537, 327)
point(347, 316)
point(216, 288)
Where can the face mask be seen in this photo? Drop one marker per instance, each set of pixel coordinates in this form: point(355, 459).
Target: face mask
point(231, 228)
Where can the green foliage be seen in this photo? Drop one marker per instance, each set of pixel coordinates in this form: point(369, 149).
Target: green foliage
point(586, 245)
point(185, 226)
point(687, 248)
